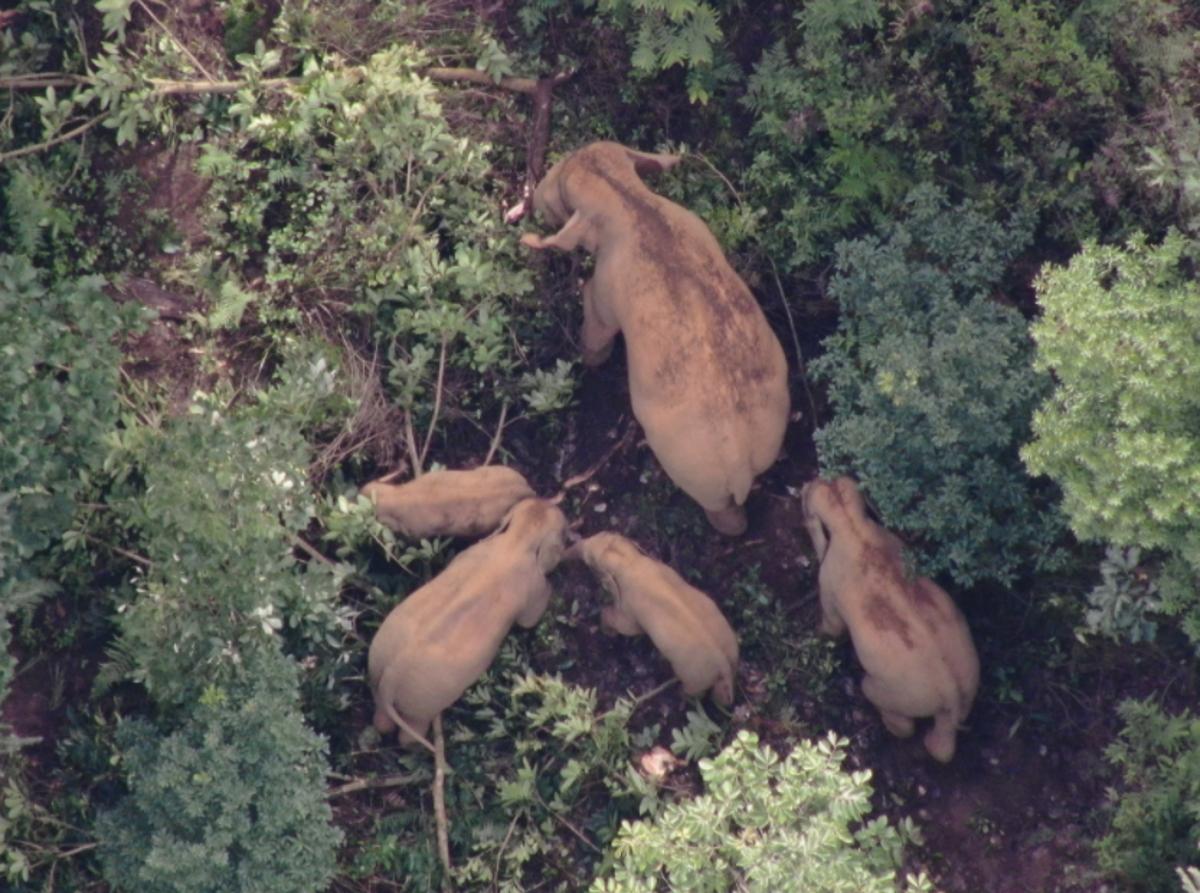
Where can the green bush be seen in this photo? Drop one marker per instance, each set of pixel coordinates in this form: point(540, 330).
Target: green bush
point(222, 494)
point(1118, 432)
point(546, 752)
point(231, 802)
point(60, 373)
point(794, 825)
point(1156, 822)
point(59, 378)
point(932, 390)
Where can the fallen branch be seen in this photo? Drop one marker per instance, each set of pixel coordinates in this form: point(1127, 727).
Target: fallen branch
point(61, 138)
point(475, 76)
point(370, 784)
point(539, 138)
point(584, 477)
point(439, 802)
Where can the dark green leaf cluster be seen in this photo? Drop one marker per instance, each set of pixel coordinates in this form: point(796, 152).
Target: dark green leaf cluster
point(59, 377)
point(932, 388)
point(1157, 811)
point(231, 802)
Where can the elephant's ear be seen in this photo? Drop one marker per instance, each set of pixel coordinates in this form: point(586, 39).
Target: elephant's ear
point(648, 163)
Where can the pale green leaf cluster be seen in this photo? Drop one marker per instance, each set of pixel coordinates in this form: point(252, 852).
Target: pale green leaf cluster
point(799, 824)
point(1120, 330)
point(224, 494)
point(547, 753)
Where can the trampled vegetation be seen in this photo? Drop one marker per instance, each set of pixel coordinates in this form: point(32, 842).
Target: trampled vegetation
point(253, 254)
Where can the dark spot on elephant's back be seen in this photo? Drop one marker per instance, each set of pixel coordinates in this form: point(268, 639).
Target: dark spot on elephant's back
point(695, 281)
point(886, 619)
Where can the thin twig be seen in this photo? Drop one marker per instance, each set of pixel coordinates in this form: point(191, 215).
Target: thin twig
point(495, 445)
point(132, 556)
point(175, 40)
point(566, 823)
point(311, 550)
point(639, 700)
point(500, 853)
point(586, 476)
point(410, 440)
point(370, 784)
point(437, 401)
point(439, 802)
point(61, 138)
point(800, 366)
point(782, 295)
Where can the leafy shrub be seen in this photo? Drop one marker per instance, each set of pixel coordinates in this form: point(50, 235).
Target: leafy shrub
point(1118, 431)
point(765, 823)
point(231, 801)
point(59, 376)
point(1045, 100)
point(1157, 808)
point(354, 189)
point(932, 388)
point(224, 495)
point(831, 146)
point(60, 373)
point(1119, 604)
point(566, 759)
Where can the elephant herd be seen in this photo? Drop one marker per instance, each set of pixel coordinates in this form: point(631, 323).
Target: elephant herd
point(708, 385)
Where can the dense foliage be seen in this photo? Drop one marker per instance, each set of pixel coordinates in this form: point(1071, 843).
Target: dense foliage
point(1118, 433)
point(765, 823)
point(1156, 822)
point(315, 190)
point(932, 388)
point(231, 801)
point(58, 401)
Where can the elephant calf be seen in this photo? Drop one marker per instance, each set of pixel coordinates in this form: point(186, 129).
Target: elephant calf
point(908, 634)
point(449, 503)
point(707, 376)
point(683, 622)
point(442, 638)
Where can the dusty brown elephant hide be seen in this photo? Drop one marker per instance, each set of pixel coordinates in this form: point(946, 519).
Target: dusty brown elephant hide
point(707, 376)
point(449, 503)
point(649, 597)
point(440, 639)
point(908, 634)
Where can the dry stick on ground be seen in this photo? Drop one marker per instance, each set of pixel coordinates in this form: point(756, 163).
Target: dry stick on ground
point(369, 784)
point(175, 40)
point(585, 476)
point(439, 801)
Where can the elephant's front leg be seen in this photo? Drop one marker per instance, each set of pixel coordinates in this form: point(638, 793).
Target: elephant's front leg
point(598, 334)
